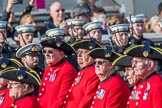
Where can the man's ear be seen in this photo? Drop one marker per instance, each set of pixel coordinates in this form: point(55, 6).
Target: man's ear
point(151, 65)
point(23, 59)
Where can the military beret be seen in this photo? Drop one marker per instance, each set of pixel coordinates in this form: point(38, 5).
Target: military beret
point(28, 49)
point(25, 28)
point(92, 25)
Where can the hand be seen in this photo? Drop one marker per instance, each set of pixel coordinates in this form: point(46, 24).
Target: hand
point(32, 2)
point(10, 5)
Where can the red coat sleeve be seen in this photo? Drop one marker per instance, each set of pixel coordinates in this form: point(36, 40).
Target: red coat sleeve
point(91, 88)
point(67, 80)
point(157, 96)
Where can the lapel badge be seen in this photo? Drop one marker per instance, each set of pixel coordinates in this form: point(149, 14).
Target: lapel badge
point(52, 77)
point(77, 80)
point(100, 93)
point(146, 91)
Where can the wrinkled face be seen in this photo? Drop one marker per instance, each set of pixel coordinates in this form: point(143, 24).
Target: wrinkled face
point(30, 60)
point(27, 37)
point(3, 82)
point(52, 55)
point(57, 12)
point(120, 38)
point(96, 33)
point(130, 75)
point(3, 32)
point(15, 89)
point(102, 67)
point(141, 66)
point(138, 30)
point(83, 58)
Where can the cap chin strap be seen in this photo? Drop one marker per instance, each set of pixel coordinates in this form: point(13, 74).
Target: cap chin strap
point(23, 38)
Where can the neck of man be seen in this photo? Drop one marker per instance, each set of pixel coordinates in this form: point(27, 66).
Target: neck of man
point(107, 75)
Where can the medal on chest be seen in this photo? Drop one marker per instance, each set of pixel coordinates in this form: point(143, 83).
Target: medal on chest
point(1, 99)
point(100, 93)
point(78, 78)
point(145, 95)
point(52, 76)
point(135, 95)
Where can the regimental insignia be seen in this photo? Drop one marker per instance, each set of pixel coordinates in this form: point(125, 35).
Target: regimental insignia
point(145, 95)
point(135, 95)
point(90, 47)
point(77, 80)
point(58, 44)
point(52, 77)
point(145, 53)
point(34, 48)
point(100, 93)
point(107, 55)
point(3, 65)
point(1, 99)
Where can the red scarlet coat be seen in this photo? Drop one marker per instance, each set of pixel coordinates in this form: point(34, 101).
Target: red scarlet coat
point(147, 94)
point(83, 89)
point(112, 93)
point(27, 101)
point(5, 100)
point(55, 85)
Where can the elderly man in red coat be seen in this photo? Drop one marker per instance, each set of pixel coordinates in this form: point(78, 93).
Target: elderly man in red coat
point(113, 92)
point(148, 91)
point(85, 85)
point(21, 81)
point(5, 100)
point(58, 75)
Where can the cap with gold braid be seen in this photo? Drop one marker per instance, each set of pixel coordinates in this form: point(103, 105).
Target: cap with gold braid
point(31, 48)
point(104, 53)
point(75, 22)
point(92, 25)
point(25, 28)
point(119, 28)
point(17, 72)
point(123, 60)
point(88, 44)
point(55, 32)
point(144, 50)
point(58, 43)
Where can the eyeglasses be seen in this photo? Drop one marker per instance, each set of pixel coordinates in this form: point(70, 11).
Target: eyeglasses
point(48, 51)
point(99, 62)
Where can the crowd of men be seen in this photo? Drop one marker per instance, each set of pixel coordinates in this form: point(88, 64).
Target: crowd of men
point(79, 72)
